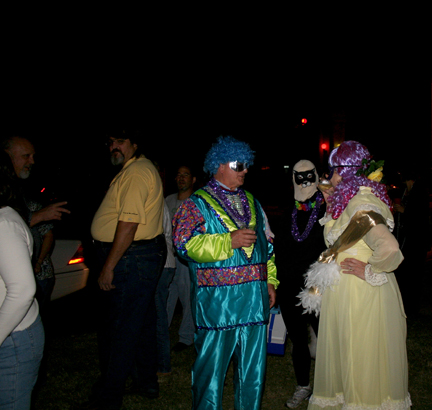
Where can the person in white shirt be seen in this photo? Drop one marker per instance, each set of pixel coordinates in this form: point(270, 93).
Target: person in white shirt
point(21, 331)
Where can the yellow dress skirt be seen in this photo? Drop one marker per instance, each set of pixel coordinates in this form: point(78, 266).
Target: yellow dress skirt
point(361, 360)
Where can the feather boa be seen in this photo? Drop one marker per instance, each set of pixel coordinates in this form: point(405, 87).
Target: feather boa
point(319, 277)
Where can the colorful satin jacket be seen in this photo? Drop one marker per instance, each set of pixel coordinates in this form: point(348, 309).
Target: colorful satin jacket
point(228, 286)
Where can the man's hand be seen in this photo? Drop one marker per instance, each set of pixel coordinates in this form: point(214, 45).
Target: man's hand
point(243, 238)
point(49, 213)
point(105, 279)
point(272, 294)
point(123, 237)
point(37, 267)
point(353, 266)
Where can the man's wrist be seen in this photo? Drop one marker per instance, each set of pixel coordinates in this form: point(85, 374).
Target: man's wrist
point(107, 268)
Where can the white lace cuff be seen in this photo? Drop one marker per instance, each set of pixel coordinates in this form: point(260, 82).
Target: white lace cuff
point(374, 279)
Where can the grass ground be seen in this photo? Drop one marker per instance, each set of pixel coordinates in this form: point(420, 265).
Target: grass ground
point(73, 364)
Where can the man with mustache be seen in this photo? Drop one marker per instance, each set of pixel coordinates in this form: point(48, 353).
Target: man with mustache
point(22, 153)
point(128, 235)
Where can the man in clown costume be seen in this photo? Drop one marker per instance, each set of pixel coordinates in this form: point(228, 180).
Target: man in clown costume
point(223, 233)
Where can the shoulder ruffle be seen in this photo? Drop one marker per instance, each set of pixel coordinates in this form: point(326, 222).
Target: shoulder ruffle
point(364, 200)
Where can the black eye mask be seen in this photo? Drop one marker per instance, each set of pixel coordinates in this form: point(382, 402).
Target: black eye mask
point(305, 178)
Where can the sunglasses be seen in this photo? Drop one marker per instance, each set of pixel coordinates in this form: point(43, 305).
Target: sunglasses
point(238, 166)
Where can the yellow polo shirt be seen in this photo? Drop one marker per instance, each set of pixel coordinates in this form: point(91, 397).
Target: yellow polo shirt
point(135, 195)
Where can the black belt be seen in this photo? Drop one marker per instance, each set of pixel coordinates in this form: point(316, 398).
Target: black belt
point(100, 244)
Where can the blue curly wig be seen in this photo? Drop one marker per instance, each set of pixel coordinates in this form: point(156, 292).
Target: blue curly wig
point(227, 149)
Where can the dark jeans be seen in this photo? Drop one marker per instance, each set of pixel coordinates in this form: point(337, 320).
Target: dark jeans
point(44, 289)
point(127, 333)
point(163, 336)
point(297, 326)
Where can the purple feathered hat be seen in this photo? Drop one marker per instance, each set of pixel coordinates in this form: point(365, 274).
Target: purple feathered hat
point(347, 161)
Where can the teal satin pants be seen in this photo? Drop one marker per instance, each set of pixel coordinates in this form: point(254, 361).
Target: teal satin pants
point(247, 346)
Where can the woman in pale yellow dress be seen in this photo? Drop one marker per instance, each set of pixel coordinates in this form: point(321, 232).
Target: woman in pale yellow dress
point(361, 360)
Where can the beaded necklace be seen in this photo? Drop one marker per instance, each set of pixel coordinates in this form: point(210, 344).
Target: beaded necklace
point(235, 203)
point(305, 206)
point(315, 206)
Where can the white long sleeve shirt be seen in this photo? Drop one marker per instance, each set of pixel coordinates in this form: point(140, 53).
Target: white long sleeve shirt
point(18, 306)
point(170, 261)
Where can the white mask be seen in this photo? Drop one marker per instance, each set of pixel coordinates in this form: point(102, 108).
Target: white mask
point(305, 180)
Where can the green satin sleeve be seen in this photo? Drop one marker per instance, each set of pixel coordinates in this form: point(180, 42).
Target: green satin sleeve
point(271, 265)
point(210, 247)
point(271, 272)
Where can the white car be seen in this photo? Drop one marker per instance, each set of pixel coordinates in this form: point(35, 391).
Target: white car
point(71, 273)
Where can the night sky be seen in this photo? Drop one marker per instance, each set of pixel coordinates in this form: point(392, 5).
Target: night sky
point(182, 116)
point(191, 76)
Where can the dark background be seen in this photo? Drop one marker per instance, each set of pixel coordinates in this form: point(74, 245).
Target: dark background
point(186, 74)
point(180, 121)
point(183, 108)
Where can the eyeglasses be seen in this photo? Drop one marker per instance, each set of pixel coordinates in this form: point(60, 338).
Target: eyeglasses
point(238, 166)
